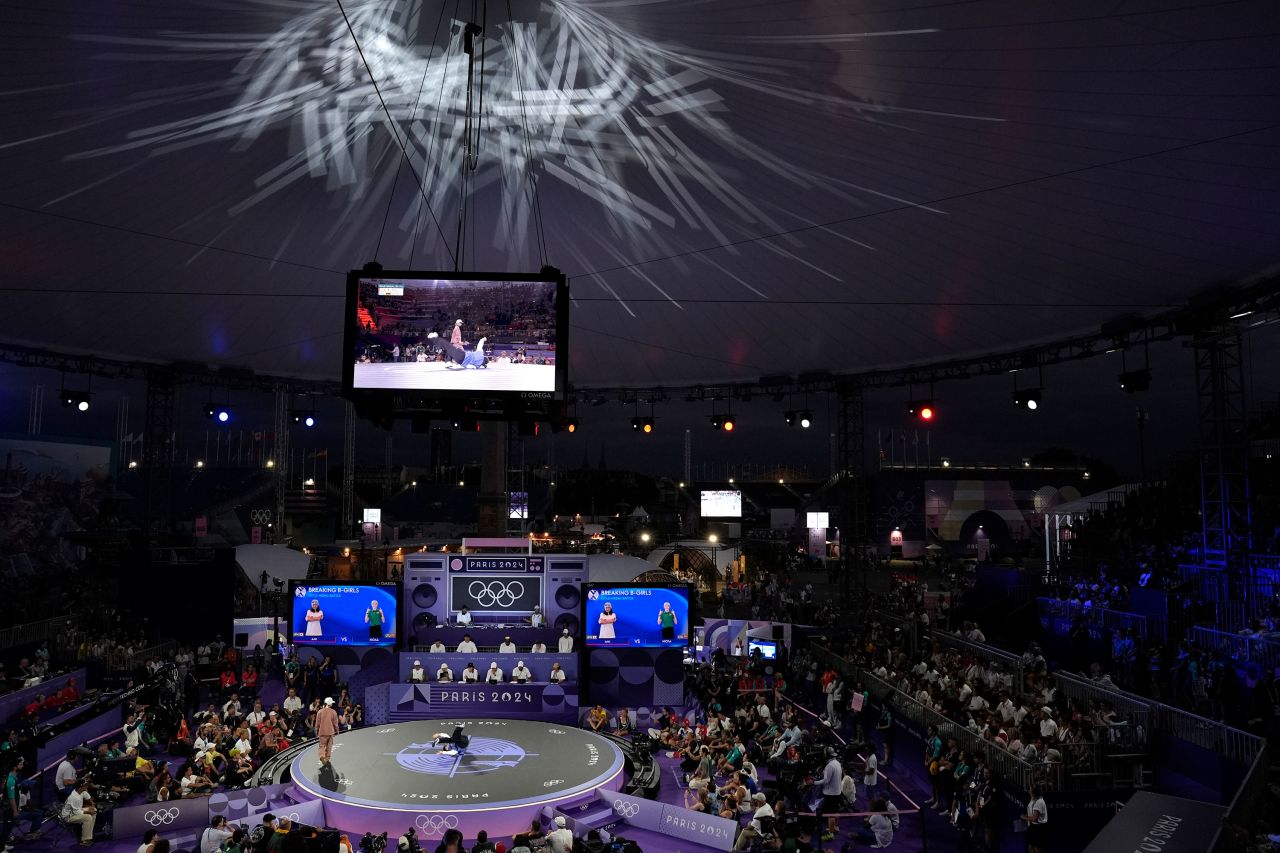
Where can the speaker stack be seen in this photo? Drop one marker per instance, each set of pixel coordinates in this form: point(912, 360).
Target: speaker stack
point(426, 602)
point(564, 594)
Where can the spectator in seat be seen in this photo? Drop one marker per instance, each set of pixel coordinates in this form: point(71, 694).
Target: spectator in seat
point(249, 682)
point(292, 703)
point(79, 811)
point(622, 726)
point(228, 681)
point(597, 718)
point(560, 839)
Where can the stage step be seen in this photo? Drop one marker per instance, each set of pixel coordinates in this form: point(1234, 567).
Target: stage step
point(590, 815)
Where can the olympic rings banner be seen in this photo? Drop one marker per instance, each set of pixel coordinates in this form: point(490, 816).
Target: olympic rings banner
point(674, 821)
point(495, 593)
point(168, 817)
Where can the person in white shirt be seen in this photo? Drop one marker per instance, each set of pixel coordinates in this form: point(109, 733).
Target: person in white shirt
point(64, 779)
point(470, 675)
point(754, 829)
point(560, 840)
point(762, 710)
point(464, 616)
point(1048, 728)
point(217, 832)
point(78, 811)
point(848, 792)
point(538, 648)
point(871, 774)
point(881, 830)
point(536, 619)
point(437, 648)
point(507, 647)
point(243, 746)
point(1037, 818)
point(293, 702)
point(132, 731)
point(149, 838)
point(978, 704)
point(417, 674)
point(467, 646)
point(565, 643)
point(231, 708)
point(444, 675)
point(521, 674)
point(257, 715)
point(494, 675)
point(832, 780)
point(557, 674)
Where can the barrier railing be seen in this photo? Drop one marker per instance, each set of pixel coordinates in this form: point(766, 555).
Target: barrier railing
point(1107, 619)
point(160, 651)
point(1010, 662)
point(1231, 743)
point(1009, 767)
point(1258, 649)
point(1245, 803)
point(33, 632)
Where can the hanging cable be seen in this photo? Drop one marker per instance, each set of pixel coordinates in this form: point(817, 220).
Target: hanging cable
point(538, 227)
point(391, 123)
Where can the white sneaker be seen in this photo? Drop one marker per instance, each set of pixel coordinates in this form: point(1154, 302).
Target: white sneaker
point(449, 752)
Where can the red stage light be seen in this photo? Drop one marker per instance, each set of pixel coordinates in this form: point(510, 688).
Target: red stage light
point(926, 413)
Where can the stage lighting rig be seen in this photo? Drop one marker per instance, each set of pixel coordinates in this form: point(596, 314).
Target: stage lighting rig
point(79, 400)
point(305, 418)
point(922, 409)
point(1027, 398)
point(1133, 381)
point(806, 419)
point(790, 416)
point(571, 425)
point(221, 414)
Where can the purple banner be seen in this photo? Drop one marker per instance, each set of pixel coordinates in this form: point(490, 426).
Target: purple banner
point(496, 564)
point(86, 733)
point(637, 811)
point(711, 830)
point(310, 813)
point(236, 805)
point(551, 702)
point(129, 822)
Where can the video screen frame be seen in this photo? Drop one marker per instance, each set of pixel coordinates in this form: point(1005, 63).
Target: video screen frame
point(391, 587)
point(351, 338)
point(704, 503)
point(687, 590)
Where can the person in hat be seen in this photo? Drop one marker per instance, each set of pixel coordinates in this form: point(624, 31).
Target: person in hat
point(560, 839)
point(565, 644)
point(470, 675)
point(326, 728)
point(536, 619)
point(494, 675)
point(507, 647)
point(456, 337)
point(521, 674)
point(417, 674)
point(444, 675)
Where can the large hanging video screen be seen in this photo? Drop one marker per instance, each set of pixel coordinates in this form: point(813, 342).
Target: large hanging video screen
point(344, 614)
point(457, 333)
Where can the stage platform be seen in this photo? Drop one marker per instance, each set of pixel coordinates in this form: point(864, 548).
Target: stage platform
point(388, 778)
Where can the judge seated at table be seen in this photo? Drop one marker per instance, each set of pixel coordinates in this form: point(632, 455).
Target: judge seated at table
point(470, 675)
point(507, 647)
point(467, 646)
point(521, 674)
point(417, 674)
point(538, 648)
point(444, 675)
point(437, 648)
point(494, 675)
point(557, 674)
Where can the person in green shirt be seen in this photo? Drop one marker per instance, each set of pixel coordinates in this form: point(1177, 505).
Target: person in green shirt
point(373, 617)
point(667, 620)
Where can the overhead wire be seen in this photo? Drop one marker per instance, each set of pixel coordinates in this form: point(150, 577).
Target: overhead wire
point(391, 122)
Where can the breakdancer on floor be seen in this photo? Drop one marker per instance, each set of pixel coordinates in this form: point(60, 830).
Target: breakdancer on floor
point(455, 744)
point(457, 355)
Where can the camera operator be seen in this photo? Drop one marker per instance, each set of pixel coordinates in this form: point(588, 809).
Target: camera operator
point(408, 843)
point(216, 833)
point(64, 778)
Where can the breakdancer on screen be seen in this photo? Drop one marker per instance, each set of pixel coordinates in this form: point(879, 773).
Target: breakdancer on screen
point(457, 742)
point(457, 355)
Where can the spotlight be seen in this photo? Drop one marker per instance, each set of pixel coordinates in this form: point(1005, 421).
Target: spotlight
point(790, 417)
point(635, 424)
point(306, 418)
point(571, 425)
point(1027, 398)
point(922, 409)
point(133, 464)
point(221, 414)
point(646, 425)
point(946, 462)
point(1134, 381)
point(78, 399)
point(716, 422)
point(806, 419)
point(728, 423)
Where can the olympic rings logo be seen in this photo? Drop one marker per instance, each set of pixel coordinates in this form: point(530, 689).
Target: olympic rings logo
point(625, 810)
point(435, 824)
point(161, 817)
point(501, 593)
point(260, 516)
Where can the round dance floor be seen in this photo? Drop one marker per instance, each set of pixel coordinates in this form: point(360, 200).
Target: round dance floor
point(390, 777)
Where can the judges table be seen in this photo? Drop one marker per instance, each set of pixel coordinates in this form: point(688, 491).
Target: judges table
point(486, 635)
point(538, 665)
